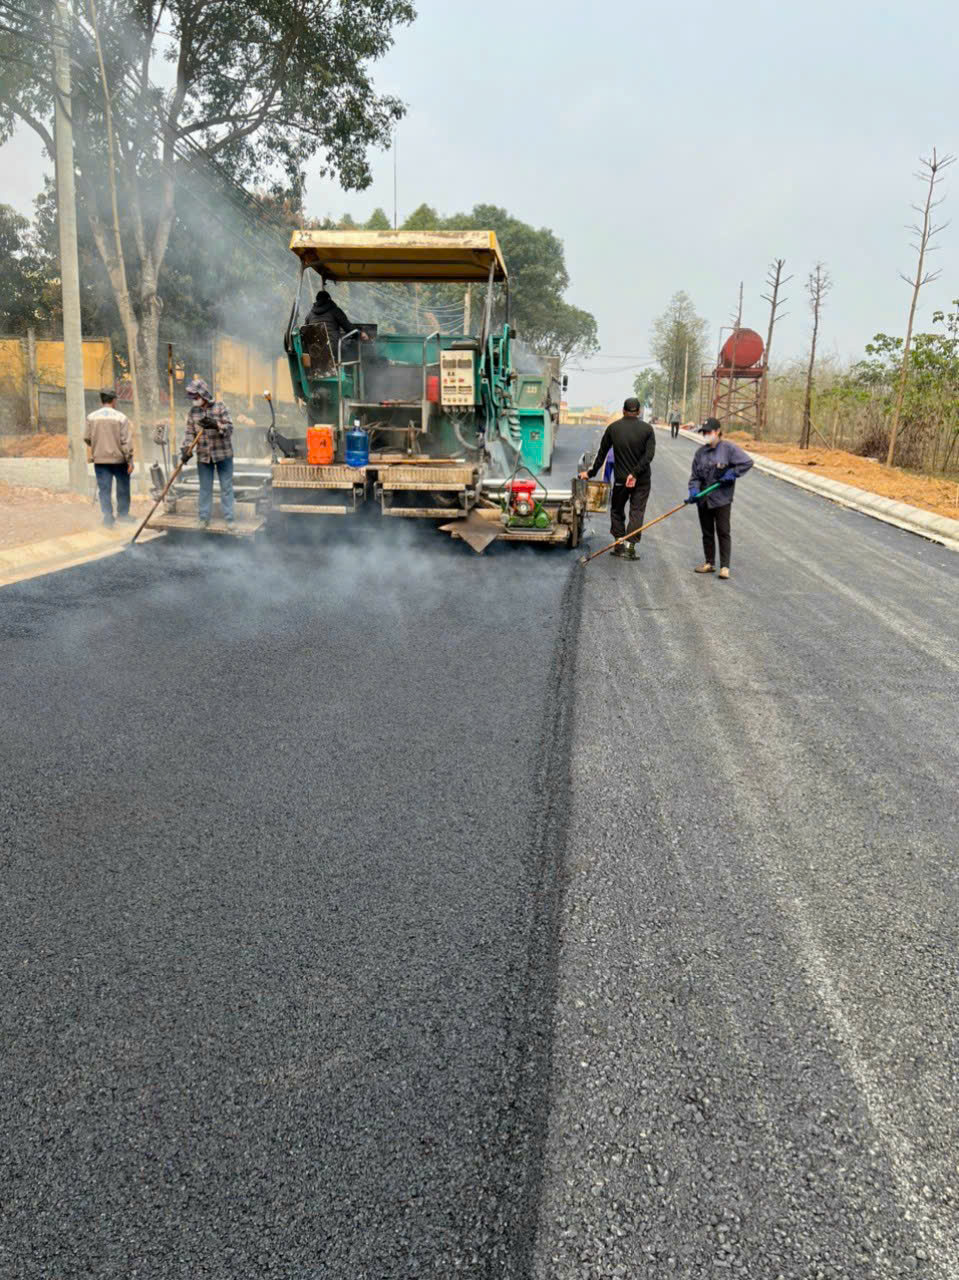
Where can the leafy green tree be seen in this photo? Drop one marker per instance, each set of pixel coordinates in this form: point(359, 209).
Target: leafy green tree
point(378, 221)
point(650, 388)
point(259, 86)
point(675, 330)
point(21, 277)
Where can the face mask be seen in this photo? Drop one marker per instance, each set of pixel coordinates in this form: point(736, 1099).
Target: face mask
point(712, 439)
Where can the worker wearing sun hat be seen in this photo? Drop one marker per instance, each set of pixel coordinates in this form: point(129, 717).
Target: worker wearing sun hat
point(716, 462)
point(214, 449)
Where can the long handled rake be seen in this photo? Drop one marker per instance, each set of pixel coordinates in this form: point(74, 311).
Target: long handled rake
point(180, 465)
point(642, 529)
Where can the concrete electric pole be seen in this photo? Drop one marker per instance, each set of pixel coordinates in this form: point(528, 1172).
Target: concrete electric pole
point(69, 265)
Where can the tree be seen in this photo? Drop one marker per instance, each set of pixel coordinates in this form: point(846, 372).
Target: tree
point(378, 221)
point(258, 86)
point(774, 282)
point(817, 286)
point(649, 387)
point(538, 279)
point(675, 331)
point(21, 275)
point(926, 233)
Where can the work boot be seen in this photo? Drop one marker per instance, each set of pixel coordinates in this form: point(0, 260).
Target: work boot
point(205, 524)
point(705, 568)
point(629, 551)
point(619, 551)
point(724, 572)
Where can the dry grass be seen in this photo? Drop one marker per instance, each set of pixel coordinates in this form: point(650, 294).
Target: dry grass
point(928, 492)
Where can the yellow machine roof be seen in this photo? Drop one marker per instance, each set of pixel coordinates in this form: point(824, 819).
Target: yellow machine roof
point(459, 257)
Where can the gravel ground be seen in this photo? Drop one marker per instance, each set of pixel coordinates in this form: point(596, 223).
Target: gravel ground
point(280, 831)
point(756, 1030)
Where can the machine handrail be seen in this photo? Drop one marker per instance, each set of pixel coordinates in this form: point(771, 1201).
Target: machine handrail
point(424, 410)
point(339, 373)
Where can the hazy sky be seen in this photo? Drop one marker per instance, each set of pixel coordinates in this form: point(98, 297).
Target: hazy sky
point(671, 150)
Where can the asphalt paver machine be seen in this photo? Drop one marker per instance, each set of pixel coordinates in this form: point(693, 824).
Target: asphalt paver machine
point(425, 425)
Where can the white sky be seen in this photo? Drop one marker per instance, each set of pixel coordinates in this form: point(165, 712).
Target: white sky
point(671, 149)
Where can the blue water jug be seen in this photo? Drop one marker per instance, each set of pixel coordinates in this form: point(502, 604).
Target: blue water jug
point(357, 447)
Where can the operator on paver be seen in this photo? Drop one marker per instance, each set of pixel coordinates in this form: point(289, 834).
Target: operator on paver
point(720, 462)
point(109, 438)
point(214, 450)
point(333, 320)
point(633, 443)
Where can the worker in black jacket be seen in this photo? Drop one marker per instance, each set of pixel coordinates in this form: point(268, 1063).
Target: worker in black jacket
point(333, 324)
point(633, 443)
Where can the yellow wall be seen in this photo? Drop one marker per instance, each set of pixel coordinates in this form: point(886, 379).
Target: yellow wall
point(241, 371)
point(97, 364)
point(245, 373)
point(13, 363)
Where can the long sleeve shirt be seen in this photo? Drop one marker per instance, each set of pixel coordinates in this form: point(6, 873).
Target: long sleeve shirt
point(109, 435)
point(216, 442)
point(633, 443)
point(710, 462)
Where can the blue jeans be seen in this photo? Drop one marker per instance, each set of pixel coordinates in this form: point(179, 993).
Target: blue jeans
point(106, 473)
point(205, 470)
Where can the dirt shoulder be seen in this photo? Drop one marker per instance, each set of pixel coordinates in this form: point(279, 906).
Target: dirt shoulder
point(39, 444)
point(33, 515)
point(927, 492)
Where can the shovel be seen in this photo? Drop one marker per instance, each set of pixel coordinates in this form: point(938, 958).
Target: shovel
point(180, 465)
point(642, 529)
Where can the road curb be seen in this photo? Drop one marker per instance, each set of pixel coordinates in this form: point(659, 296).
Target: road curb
point(926, 524)
point(34, 559)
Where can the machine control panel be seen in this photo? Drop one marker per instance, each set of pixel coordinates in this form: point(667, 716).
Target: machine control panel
point(457, 379)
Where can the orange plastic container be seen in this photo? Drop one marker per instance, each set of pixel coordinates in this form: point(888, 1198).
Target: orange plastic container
point(319, 446)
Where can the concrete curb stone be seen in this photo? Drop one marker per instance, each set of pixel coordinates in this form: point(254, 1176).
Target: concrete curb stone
point(33, 559)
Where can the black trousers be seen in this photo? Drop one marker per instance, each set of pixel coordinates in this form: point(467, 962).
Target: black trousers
point(673, 430)
point(637, 497)
point(714, 521)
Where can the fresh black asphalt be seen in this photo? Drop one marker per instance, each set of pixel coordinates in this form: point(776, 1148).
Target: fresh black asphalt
point(372, 909)
point(281, 833)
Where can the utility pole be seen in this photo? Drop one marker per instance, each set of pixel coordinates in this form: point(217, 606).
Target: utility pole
point(685, 380)
point(468, 309)
point(69, 264)
point(394, 179)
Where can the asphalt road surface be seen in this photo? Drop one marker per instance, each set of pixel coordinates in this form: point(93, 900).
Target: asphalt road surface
point(756, 1051)
point(386, 911)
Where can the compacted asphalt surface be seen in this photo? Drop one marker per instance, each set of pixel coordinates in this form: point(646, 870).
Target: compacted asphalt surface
point(373, 909)
point(755, 1050)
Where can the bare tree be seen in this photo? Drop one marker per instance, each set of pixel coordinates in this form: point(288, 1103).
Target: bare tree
point(774, 281)
point(817, 286)
point(930, 174)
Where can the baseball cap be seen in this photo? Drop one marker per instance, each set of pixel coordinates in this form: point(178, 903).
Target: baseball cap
point(711, 424)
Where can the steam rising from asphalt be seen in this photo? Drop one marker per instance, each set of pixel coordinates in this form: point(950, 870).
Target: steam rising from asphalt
point(385, 578)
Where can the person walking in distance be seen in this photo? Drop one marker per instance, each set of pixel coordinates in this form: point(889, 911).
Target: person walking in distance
point(214, 450)
point(633, 443)
point(721, 462)
point(109, 437)
point(674, 424)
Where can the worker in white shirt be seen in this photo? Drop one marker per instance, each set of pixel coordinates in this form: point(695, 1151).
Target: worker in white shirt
point(109, 437)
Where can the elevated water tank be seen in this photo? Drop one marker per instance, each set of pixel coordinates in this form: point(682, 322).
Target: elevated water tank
point(744, 346)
